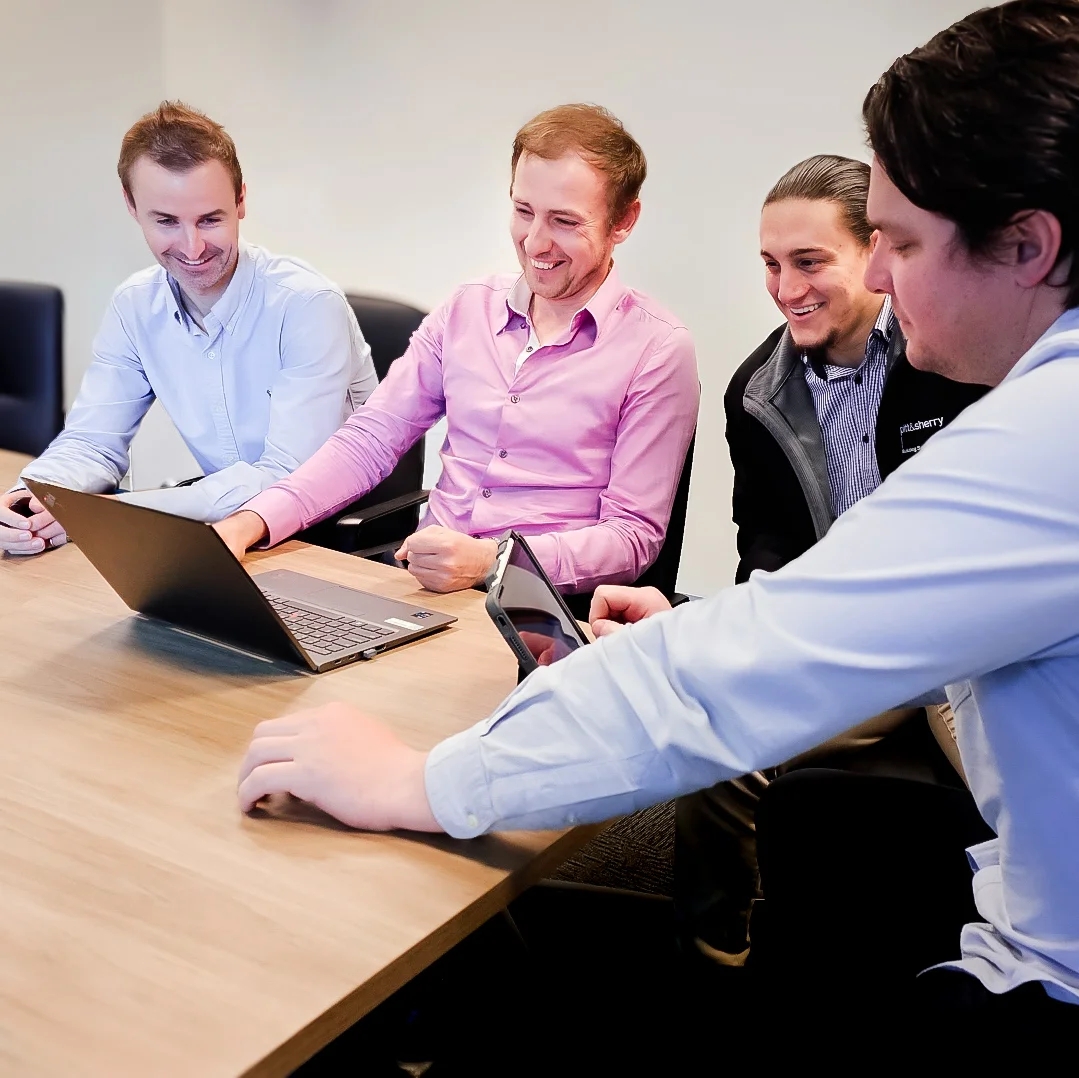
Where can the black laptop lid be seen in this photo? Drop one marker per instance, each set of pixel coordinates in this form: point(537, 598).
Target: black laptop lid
point(171, 568)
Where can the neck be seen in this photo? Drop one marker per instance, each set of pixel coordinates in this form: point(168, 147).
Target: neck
point(1044, 309)
point(552, 316)
point(849, 350)
point(203, 302)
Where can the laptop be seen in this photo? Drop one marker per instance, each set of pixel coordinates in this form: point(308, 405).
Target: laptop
point(181, 572)
point(527, 609)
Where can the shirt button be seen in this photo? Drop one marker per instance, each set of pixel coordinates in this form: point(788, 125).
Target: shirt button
point(211, 355)
point(486, 492)
point(514, 399)
point(471, 820)
point(529, 348)
point(503, 454)
point(865, 438)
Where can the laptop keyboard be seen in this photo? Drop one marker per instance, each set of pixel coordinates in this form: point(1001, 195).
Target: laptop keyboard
point(326, 632)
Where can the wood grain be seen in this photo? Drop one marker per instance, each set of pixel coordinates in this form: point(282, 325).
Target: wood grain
point(151, 929)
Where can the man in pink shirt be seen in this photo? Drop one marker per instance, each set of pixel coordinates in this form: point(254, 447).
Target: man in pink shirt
point(570, 399)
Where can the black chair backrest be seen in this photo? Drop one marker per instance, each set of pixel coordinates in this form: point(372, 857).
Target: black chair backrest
point(31, 366)
point(663, 572)
point(387, 327)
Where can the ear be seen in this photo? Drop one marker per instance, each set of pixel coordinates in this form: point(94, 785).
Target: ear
point(1031, 243)
point(241, 203)
point(622, 229)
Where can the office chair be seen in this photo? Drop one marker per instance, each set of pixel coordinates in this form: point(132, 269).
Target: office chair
point(663, 572)
point(31, 366)
point(382, 518)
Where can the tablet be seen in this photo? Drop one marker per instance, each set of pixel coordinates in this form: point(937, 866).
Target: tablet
point(530, 614)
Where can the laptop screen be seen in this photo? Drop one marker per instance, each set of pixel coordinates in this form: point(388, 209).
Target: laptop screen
point(546, 629)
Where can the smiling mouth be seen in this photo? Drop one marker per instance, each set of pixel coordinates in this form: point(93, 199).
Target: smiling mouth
point(805, 310)
point(198, 262)
point(537, 264)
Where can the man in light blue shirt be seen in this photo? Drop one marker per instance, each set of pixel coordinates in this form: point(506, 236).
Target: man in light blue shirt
point(256, 358)
point(961, 570)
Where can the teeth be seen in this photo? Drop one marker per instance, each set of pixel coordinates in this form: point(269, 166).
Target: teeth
point(543, 265)
point(187, 262)
point(806, 310)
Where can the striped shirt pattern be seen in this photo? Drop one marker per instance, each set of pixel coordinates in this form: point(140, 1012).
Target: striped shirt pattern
point(847, 400)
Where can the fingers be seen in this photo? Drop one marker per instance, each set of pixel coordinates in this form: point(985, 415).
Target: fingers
point(432, 580)
point(20, 542)
point(402, 552)
point(273, 778)
point(599, 608)
point(429, 540)
point(267, 750)
point(604, 627)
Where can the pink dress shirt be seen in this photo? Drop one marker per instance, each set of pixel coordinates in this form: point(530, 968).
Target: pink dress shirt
point(577, 444)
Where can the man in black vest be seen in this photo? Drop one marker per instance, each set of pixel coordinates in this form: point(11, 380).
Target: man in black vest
point(817, 417)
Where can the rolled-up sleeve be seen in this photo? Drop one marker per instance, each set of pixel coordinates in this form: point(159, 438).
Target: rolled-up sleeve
point(655, 427)
point(365, 449)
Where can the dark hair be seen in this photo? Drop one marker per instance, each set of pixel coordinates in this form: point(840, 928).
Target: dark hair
point(599, 137)
point(981, 124)
point(178, 137)
point(829, 178)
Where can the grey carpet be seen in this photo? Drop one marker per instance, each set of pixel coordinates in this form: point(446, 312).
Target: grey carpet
point(636, 853)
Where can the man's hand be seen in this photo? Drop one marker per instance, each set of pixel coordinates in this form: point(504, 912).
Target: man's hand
point(21, 534)
point(342, 762)
point(241, 530)
point(614, 606)
point(445, 560)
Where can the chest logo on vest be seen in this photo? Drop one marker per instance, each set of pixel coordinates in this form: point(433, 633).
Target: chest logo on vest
point(912, 436)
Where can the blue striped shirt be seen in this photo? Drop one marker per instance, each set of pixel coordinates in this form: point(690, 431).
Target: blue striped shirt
point(847, 400)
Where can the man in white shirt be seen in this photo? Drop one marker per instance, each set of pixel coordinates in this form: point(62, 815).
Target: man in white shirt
point(256, 358)
point(961, 570)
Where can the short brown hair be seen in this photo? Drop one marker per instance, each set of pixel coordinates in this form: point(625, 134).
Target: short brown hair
point(830, 178)
point(178, 137)
point(596, 135)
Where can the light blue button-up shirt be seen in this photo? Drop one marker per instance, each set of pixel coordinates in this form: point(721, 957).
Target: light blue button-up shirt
point(280, 365)
point(961, 570)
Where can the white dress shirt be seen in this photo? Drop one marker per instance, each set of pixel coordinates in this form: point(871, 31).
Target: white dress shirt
point(280, 365)
point(961, 570)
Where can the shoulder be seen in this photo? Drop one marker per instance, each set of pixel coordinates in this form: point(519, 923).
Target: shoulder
point(141, 287)
point(292, 278)
point(751, 364)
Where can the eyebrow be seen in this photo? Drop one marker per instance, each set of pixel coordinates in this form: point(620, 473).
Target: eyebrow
point(555, 213)
point(798, 251)
point(208, 213)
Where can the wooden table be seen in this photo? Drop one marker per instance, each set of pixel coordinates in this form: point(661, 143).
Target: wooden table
point(147, 927)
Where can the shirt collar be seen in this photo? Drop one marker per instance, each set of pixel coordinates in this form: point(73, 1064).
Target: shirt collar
point(223, 313)
point(600, 307)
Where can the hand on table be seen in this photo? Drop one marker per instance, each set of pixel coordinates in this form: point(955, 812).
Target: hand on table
point(241, 530)
point(27, 535)
point(343, 762)
point(445, 560)
point(614, 606)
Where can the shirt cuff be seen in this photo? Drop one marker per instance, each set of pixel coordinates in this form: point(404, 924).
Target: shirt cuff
point(279, 511)
point(456, 784)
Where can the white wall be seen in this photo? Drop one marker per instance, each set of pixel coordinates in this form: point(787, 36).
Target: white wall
point(375, 142)
point(72, 78)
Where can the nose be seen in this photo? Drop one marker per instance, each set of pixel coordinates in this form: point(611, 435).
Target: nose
point(878, 273)
point(192, 245)
point(792, 287)
point(537, 239)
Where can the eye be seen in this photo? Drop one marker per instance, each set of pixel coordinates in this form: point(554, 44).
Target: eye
point(809, 263)
point(523, 211)
point(565, 222)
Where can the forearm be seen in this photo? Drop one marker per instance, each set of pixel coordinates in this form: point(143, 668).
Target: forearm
point(608, 552)
point(212, 498)
point(80, 462)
